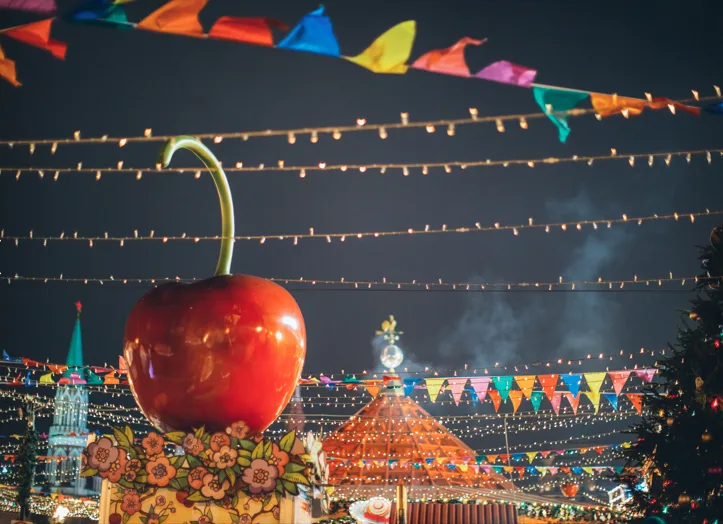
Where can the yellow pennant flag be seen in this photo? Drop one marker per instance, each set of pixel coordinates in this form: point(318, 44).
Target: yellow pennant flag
point(526, 383)
point(595, 380)
point(390, 52)
point(434, 385)
point(462, 467)
point(531, 455)
point(594, 398)
point(587, 470)
point(46, 379)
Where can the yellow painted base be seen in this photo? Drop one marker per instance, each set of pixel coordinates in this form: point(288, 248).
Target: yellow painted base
point(162, 507)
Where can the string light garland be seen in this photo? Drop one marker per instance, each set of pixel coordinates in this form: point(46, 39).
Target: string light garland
point(335, 132)
point(384, 283)
point(404, 168)
point(578, 225)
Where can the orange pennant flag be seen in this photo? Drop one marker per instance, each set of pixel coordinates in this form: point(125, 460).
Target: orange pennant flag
point(38, 34)
point(373, 390)
point(492, 458)
point(7, 69)
point(179, 17)
point(449, 61)
point(496, 398)
point(574, 401)
point(249, 30)
point(516, 398)
point(607, 105)
point(56, 368)
point(548, 383)
point(637, 401)
point(526, 383)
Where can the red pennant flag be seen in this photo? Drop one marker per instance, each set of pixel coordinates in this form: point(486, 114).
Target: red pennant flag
point(637, 401)
point(662, 103)
point(38, 34)
point(574, 401)
point(619, 378)
point(449, 61)
point(646, 374)
point(249, 30)
point(7, 69)
point(549, 383)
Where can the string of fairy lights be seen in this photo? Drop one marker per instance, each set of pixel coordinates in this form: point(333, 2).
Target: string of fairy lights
point(336, 132)
point(406, 168)
point(633, 284)
point(606, 223)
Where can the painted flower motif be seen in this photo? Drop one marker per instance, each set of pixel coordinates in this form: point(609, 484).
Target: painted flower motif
point(279, 458)
point(117, 468)
point(192, 445)
point(203, 519)
point(195, 477)
point(160, 472)
point(245, 519)
point(276, 512)
point(260, 476)
point(227, 502)
point(160, 500)
point(213, 488)
point(153, 518)
point(131, 502)
point(219, 440)
point(133, 465)
point(130, 476)
point(153, 444)
point(238, 430)
point(258, 437)
point(225, 457)
point(102, 454)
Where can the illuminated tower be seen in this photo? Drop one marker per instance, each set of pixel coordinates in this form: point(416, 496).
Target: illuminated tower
point(296, 418)
point(68, 435)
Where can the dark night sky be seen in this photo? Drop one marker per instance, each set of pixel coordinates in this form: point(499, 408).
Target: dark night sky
point(120, 82)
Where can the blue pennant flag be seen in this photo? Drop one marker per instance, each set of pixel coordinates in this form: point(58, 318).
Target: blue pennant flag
point(409, 385)
point(577, 470)
point(101, 12)
point(313, 34)
point(716, 108)
point(613, 399)
point(572, 382)
point(8, 358)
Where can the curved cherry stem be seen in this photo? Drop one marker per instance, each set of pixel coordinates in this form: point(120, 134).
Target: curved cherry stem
point(224, 193)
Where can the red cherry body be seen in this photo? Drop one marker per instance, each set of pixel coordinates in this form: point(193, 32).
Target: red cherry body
point(222, 350)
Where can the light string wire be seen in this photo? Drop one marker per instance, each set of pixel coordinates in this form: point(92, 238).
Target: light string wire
point(312, 234)
point(404, 167)
point(335, 131)
point(385, 283)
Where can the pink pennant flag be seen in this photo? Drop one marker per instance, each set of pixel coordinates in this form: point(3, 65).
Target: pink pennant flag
point(480, 386)
point(449, 61)
point(619, 379)
point(456, 386)
point(508, 73)
point(486, 469)
point(552, 471)
point(646, 374)
point(574, 401)
point(544, 454)
point(43, 7)
point(475, 468)
point(555, 401)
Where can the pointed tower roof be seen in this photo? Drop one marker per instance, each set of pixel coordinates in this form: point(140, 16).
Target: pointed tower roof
point(75, 352)
point(394, 441)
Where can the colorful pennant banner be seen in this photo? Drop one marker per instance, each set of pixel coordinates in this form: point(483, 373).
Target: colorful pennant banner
point(314, 33)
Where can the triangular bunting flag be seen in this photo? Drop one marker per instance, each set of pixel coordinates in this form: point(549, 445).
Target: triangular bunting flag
point(574, 401)
point(480, 385)
point(434, 385)
point(619, 378)
point(43, 7)
point(595, 380)
point(503, 385)
point(409, 385)
point(508, 73)
point(7, 69)
point(606, 105)
point(526, 383)
point(636, 399)
point(555, 401)
point(572, 382)
point(38, 34)
point(373, 390)
point(179, 17)
point(389, 53)
point(248, 30)
point(104, 12)
point(548, 383)
point(516, 398)
point(552, 470)
point(536, 399)
point(559, 101)
point(594, 397)
point(531, 455)
point(492, 458)
point(46, 379)
point(449, 61)
point(646, 374)
point(496, 398)
point(313, 34)
point(613, 399)
point(456, 386)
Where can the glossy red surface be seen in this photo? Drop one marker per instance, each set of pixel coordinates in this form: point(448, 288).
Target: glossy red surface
point(569, 490)
point(226, 349)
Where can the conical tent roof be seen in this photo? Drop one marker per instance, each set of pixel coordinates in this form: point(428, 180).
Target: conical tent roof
point(393, 441)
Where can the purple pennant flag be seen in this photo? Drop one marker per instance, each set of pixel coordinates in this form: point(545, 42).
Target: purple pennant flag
point(508, 73)
point(45, 7)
